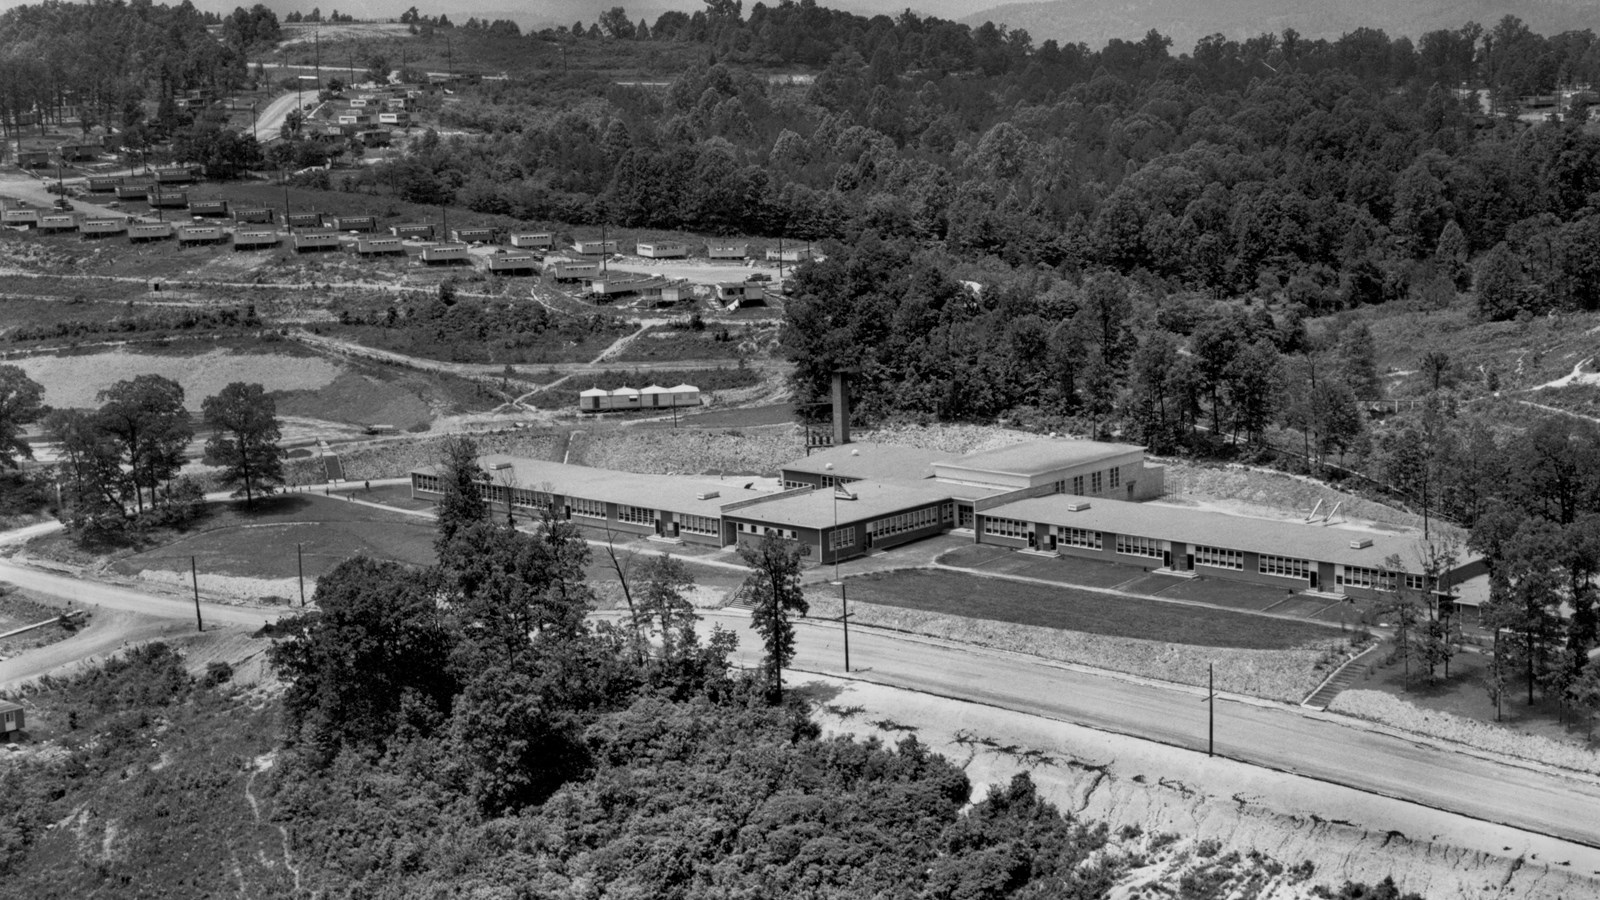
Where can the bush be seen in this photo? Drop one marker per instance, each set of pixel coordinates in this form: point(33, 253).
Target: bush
point(217, 673)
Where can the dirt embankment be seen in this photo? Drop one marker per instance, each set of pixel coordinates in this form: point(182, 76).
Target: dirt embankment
point(1247, 831)
point(396, 458)
point(658, 451)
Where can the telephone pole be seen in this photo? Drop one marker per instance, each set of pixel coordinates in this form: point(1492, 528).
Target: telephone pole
point(194, 577)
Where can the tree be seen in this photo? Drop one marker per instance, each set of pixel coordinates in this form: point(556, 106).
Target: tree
point(1499, 280)
point(146, 417)
point(616, 24)
point(245, 443)
point(506, 588)
point(774, 594)
point(372, 656)
point(20, 404)
point(93, 482)
point(461, 481)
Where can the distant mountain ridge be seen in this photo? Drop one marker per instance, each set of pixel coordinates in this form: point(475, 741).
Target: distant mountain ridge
point(1094, 22)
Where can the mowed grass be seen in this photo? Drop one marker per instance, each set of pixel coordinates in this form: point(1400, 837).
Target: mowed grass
point(1070, 609)
point(261, 543)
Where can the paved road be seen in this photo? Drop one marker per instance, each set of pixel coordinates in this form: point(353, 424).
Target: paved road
point(1277, 737)
point(87, 593)
point(270, 122)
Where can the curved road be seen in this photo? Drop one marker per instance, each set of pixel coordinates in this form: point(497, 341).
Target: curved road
point(1287, 739)
point(1274, 736)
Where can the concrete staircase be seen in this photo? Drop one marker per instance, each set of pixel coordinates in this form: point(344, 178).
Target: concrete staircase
point(1342, 677)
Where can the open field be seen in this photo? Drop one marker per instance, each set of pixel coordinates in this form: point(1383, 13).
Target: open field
point(1278, 674)
point(657, 344)
point(1065, 608)
point(73, 381)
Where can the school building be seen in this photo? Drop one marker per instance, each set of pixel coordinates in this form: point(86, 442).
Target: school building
point(1067, 498)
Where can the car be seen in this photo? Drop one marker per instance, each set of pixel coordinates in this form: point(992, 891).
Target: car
point(759, 276)
point(64, 204)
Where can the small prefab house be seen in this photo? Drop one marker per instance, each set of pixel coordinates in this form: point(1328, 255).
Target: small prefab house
point(788, 254)
point(423, 230)
point(255, 239)
point(178, 175)
point(208, 208)
point(104, 184)
point(28, 218)
point(139, 232)
point(201, 234)
point(92, 228)
point(309, 241)
point(446, 255)
point(378, 246)
point(303, 220)
point(533, 240)
point(572, 270)
point(474, 235)
point(169, 200)
point(132, 191)
point(58, 223)
point(663, 250)
point(12, 719)
point(594, 248)
point(514, 264)
point(354, 223)
point(727, 251)
point(593, 400)
point(258, 215)
point(685, 395)
point(33, 159)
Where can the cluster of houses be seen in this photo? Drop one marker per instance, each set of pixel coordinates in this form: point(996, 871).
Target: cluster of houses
point(368, 116)
point(1064, 498)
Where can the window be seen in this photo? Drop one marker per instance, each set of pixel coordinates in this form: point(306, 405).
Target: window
point(1010, 528)
point(1094, 482)
point(1077, 485)
point(530, 499)
point(1128, 545)
point(947, 513)
point(840, 538)
point(426, 483)
point(1059, 487)
point(1416, 582)
point(900, 524)
point(594, 509)
point(636, 515)
point(1218, 558)
point(1116, 478)
point(1356, 576)
point(792, 485)
point(1079, 537)
point(698, 524)
point(1284, 567)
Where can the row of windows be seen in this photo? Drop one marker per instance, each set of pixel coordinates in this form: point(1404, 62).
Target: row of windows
point(839, 538)
point(1129, 545)
point(637, 515)
point(1218, 558)
point(752, 528)
point(1011, 528)
point(1285, 566)
point(1356, 576)
point(426, 483)
point(699, 524)
point(530, 499)
point(1078, 537)
point(594, 509)
point(904, 522)
point(1096, 480)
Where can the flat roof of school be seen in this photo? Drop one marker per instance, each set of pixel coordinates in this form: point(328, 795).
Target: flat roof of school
point(1210, 528)
point(872, 462)
point(674, 493)
point(1035, 457)
point(816, 508)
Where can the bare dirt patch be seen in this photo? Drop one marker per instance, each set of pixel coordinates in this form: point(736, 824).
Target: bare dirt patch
point(74, 381)
point(659, 451)
point(353, 397)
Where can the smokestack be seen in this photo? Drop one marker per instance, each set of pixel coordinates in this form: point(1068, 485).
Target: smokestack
point(841, 408)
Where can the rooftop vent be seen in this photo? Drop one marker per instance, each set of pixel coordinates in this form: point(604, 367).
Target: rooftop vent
point(1360, 543)
point(707, 495)
point(1079, 506)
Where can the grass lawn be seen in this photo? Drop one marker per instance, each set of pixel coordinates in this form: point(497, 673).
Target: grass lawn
point(261, 543)
point(957, 594)
point(658, 344)
point(1462, 693)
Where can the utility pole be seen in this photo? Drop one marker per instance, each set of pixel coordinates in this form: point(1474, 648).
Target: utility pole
point(316, 40)
point(1211, 709)
point(194, 576)
point(300, 566)
point(833, 539)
